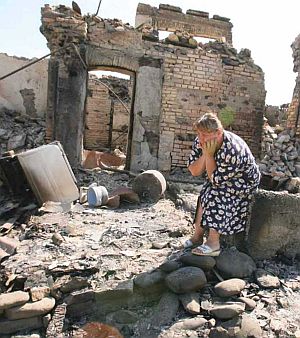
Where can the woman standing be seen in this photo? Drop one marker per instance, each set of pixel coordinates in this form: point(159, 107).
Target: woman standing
point(231, 178)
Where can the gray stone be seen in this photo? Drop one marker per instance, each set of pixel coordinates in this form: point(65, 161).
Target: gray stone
point(146, 279)
point(28, 310)
point(245, 326)
point(170, 266)
point(266, 280)
point(186, 279)
point(12, 299)
point(274, 225)
point(12, 326)
point(189, 323)
point(190, 302)
point(250, 303)
point(38, 293)
point(233, 263)
point(16, 141)
point(166, 310)
point(123, 317)
point(3, 132)
point(230, 287)
point(227, 310)
point(203, 262)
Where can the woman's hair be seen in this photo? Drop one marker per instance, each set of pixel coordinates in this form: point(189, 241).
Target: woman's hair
point(209, 123)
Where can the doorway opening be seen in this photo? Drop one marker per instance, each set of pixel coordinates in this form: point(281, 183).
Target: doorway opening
point(108, 118)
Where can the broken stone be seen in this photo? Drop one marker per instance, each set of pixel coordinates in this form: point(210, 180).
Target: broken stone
point(159, 245)
point(57, 239)
point(250, 303)
point(166, 309)
point(190, 302)
point(227, 310)
point(266, 280)
point(170, 266)
point(38, 293)
point(9, 244)
point(28, 310)
point(189, 323)
point(12, 326)
point(74, 283)
point(123, 317)
point(12, 299)
point(235, 264)
point(244, 326)
point(230, 287)
point(146, 279)
point(204, 262)
point(186, 279)
point(16, 141)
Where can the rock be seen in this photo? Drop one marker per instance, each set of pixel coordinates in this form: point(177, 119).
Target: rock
point(170, 266)
point(12, 299)
point(266, 280)
point(235, 264)
point(123, 317)
point(219, 332)
point(189, 323)
point(146, 279)
point(245, 326)
point(203, 262)
point(186, 279)
point(57, 239)
point(250, 303)
point(28, 310)
point(230, 287)
point(12, 326)
point(166, 310)
point(227, 310)
point(3, 132)
point(159, 245)
point(38, 293)
point(173, 38)
point(16, 141)
point(74, 283)
point(190, 302)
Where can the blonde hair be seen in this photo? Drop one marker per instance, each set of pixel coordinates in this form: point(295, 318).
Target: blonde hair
point(208, 123)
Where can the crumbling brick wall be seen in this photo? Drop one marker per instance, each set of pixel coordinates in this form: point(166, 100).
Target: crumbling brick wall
point(293, 120)
point(106, 119)
point(173, 85)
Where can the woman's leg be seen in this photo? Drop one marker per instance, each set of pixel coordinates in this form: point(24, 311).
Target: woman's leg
point(213, 240)
point(199, 231)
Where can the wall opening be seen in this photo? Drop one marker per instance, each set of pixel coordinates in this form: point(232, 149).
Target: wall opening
point(108, 118)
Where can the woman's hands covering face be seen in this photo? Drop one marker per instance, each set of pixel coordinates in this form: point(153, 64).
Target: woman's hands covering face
point(209, 148)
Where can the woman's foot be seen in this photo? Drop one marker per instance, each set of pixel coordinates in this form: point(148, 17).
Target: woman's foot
point(196, 239)
point(206, 250)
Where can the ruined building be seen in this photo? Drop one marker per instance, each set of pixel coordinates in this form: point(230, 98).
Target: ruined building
point(172, 82)
point(294, 108)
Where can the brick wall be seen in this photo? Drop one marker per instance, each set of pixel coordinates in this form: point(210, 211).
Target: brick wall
point(98, 107)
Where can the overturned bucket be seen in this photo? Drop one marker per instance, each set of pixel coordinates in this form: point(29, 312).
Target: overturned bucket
point(149, 185)
point(97, 196)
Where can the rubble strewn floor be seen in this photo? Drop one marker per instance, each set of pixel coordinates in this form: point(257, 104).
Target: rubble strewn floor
point(94, 249)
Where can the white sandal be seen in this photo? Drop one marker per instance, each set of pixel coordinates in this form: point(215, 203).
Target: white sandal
point(205, 250)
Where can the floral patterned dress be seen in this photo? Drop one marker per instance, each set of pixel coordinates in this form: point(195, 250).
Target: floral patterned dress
point(226, 199)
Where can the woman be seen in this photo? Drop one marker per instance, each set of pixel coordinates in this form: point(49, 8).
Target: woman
point(231, 178)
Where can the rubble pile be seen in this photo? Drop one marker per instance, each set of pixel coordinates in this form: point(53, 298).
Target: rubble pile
point(149, 33)
point(124, 267)
point(20, 132)
point(182, 38)
point(280, 153)
point(117, 25)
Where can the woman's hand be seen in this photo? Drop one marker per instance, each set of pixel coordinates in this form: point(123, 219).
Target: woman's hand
point(209, 148)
